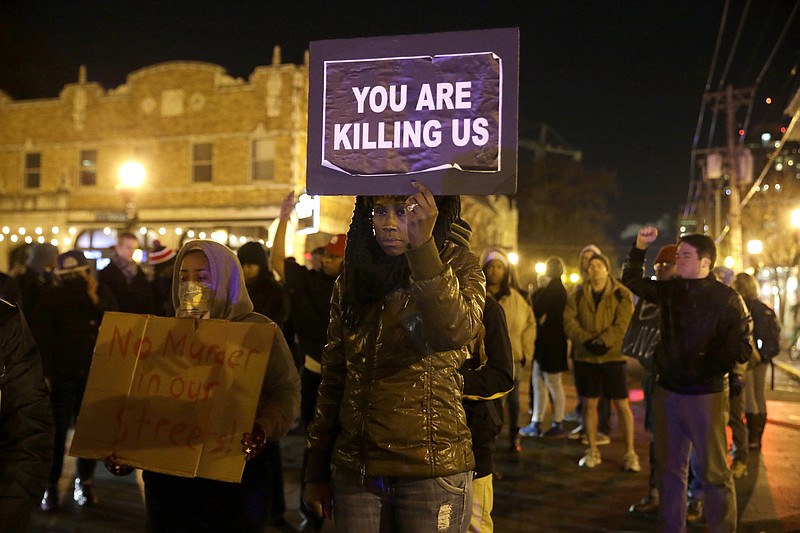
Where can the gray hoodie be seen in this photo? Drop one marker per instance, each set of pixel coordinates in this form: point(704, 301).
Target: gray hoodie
point(279, 403)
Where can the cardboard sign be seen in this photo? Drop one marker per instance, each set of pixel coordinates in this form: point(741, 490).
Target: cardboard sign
point(173, 395)
point(439, 108)
point(644, 333)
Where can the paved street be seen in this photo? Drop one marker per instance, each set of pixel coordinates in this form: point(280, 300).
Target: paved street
point(541, 489)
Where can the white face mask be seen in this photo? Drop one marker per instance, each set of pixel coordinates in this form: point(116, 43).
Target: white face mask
point(195, 299)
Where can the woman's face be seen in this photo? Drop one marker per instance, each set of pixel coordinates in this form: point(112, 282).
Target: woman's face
point(195, 267)
point(390, 224)
point(495, 271)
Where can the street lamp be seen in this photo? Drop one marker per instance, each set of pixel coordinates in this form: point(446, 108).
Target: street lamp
point(131, 177)
point(795, 218)
point(755, 247)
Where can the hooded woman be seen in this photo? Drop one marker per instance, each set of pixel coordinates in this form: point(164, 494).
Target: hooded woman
point(521, 328)
point(209, 283)
point(389, 448)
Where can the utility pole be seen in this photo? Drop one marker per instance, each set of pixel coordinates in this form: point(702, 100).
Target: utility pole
point(728, 101)
point(735, 203)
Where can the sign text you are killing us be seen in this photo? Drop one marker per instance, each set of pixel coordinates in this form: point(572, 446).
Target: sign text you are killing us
point(400, 115)
point(406, 133)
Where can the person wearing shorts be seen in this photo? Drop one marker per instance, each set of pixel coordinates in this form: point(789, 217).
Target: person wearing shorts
point(595, 319)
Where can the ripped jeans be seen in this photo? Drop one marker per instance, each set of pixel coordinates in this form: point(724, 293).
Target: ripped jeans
point(397, 505)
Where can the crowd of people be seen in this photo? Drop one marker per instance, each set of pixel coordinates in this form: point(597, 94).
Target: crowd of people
point(399, 354)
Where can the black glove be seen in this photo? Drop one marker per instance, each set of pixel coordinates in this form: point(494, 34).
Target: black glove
point(596, 347)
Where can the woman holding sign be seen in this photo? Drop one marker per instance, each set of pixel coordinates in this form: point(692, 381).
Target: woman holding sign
point(209, 284)
point(389, 448)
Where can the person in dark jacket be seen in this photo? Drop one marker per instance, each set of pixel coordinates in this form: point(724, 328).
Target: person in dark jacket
point(389, 447)
point(705, 331)
point(550, 355)
point(664, 267)
point(269, 296)
point(764, 321)
point(37, 276)
point(270, 299)
point(488, 376)
point(66, 321)
point(310, 291)
point(26, 422)
point(126, 280)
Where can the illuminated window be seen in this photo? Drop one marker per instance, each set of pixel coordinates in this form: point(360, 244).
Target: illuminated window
point(88, 168)
point(263, 159)
point(33, 170)
point(201, 162)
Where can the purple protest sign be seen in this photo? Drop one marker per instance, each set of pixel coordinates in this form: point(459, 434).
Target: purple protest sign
point(442, 108)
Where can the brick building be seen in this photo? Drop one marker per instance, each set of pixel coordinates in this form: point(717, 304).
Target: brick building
point(218, 154)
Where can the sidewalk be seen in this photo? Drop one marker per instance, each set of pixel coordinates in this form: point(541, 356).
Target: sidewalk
point(541, 489)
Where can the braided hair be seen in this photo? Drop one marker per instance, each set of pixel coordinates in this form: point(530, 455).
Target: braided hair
point(369, 273)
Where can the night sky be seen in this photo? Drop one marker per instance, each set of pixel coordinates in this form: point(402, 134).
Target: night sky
point(620, 81)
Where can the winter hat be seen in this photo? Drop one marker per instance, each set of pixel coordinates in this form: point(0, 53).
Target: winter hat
point(667, 254)
point(160, 254)
point(492, 254)
point(72, 261)
point(602, 258)
point(253, 253)
point(337, 245)
point(590, 248)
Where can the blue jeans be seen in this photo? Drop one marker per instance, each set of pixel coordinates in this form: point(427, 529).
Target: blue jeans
point(396, 504)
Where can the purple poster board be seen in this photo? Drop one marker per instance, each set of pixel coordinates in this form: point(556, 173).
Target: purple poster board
point(439, 108)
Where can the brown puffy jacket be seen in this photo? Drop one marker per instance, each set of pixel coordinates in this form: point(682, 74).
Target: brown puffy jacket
point(390, 399)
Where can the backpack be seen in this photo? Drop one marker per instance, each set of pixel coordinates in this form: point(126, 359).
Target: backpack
point(766, 331)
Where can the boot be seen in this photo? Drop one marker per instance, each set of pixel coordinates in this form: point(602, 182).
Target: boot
point(84, 493)
point(761, 422)
point(647, 505)
point(752, 430)
point(50, 499)
point(514, 443)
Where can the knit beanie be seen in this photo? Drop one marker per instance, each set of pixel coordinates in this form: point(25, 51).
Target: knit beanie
point(159, 254)
point(491, 254)
point(667, 254)
point(602, 258)
point(590, 248)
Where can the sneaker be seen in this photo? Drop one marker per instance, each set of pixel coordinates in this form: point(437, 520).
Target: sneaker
point(576, 433)
point(630, 462)
point(514, 444)
point(647, 505)
point(739, 469)
point(84, 493)
point(601, 438)
point(573, 416)
point(532, 430)
point(591, 459)
point(556, 430)
point(694, 511)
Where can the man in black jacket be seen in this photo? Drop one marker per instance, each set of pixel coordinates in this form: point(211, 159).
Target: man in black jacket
point(26, 423)
point(705, 331)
